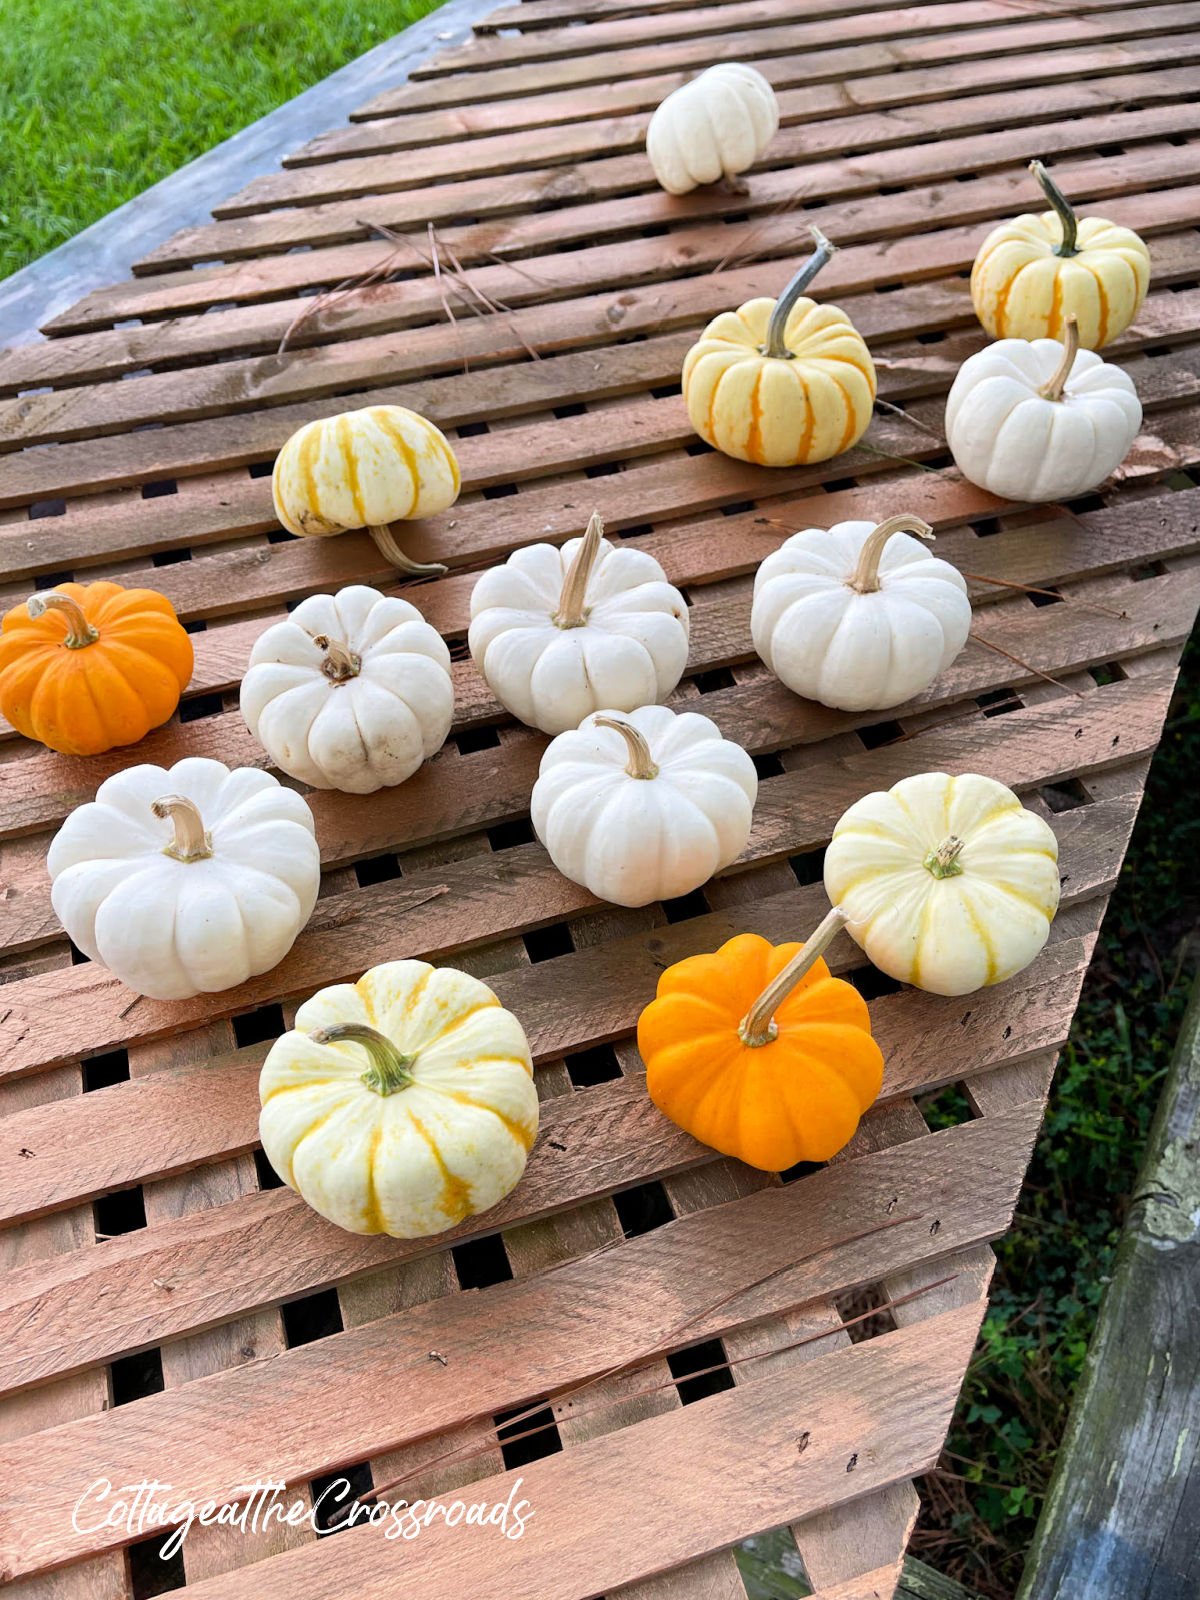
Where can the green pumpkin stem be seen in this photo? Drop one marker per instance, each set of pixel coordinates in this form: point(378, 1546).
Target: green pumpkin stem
point(758, 1026)
point(865, 577)
point(776, 345)
point(80, 632)
point(191, 842)
point(1066, 213)
point(943, 862)
point(385, 543)
point(641, 762)
point(572, 611)
point(389, 1066)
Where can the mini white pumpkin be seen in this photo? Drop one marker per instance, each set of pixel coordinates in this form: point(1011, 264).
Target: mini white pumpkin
point(352, 692)
point(860, 617)
point(1040, 420)
point(713, 127)
point(402, 1103)
point(188, 880)
point(559, 633)
point(646, 806)
point(948, 883)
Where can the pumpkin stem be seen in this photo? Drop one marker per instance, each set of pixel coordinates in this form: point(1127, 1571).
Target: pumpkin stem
point(571, 612)
point(80, 632)
point(641, 763)
point(389, 1067)
point(1053, 388)
point(865, 577)
point(191, 842)
point(391, 551)
point(943, 862)
point(775, 345)
point(1066, 213)
point(758, 1026)
point(340, 664)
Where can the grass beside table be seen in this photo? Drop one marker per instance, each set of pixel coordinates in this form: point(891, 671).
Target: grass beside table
point(98, 102)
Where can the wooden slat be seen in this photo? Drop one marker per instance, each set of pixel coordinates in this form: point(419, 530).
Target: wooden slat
point(310, 1416)
point(453, 906)
point(793, 147)
point(578, 132)
point(597, 208)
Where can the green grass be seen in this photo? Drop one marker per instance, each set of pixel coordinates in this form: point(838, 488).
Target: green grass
point(99, 101)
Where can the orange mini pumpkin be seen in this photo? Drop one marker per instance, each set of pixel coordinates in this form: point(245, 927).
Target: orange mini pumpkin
point(87, 667)
point(758, 1051)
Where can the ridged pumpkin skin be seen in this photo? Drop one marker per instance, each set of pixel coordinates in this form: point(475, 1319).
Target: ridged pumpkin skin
point(797, 1098)
point(1023, 290)
point(413, 1156)
point(103, 694)
point(363, 469)
point(780, 411)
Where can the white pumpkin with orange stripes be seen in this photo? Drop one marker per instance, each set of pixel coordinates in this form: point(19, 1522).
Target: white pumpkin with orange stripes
point(400, 1104)
point(366, 469)
point(781, 382)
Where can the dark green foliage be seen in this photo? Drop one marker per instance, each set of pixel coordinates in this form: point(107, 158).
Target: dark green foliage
point(1054, 1265)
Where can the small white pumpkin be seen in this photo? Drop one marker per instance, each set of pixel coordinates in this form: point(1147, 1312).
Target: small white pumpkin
point(1040, 420)
point(402, 1103)
point(352, 692)
point(862, 617)
point(948, 883)
point(713, 127)
point(646, 806)
point(188, 880)
point(559, 633)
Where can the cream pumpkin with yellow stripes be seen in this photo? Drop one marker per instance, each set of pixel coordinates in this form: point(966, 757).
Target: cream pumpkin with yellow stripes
point(365, 469)
point(948, 883)
point(781, 382)
point(1033, 273)
point(402, 1103)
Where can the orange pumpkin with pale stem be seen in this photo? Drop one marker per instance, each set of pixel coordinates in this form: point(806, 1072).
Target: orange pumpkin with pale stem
point(87, 667)
point(759, 1052)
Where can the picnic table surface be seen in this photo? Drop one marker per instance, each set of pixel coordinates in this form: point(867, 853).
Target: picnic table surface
point(682, 1338)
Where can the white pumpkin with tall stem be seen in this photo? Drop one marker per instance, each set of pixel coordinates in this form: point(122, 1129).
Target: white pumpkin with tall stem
point(861, 617)
point(353, 691)
point(645, 806)
point(400, 1104)
point(948, 883)
point(1042, 420)
point(561, 632)
point(189, 880)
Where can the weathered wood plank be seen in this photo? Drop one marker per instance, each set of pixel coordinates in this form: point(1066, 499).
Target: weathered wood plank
point(461, 905)
point(310, 1416)
point(1119, 1515)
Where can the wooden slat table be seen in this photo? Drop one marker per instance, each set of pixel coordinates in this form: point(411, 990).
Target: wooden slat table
point(669, 1350)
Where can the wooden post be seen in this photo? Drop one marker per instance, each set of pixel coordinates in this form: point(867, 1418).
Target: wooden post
point(1121, 1514)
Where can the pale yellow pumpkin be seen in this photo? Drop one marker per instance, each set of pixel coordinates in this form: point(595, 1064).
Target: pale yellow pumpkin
point(1034, 272)
point(781, 382)
point(400, 1104)
point(365, 469)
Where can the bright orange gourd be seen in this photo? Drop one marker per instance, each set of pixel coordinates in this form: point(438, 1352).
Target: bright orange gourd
point(758, 1051)
point(90, 666)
